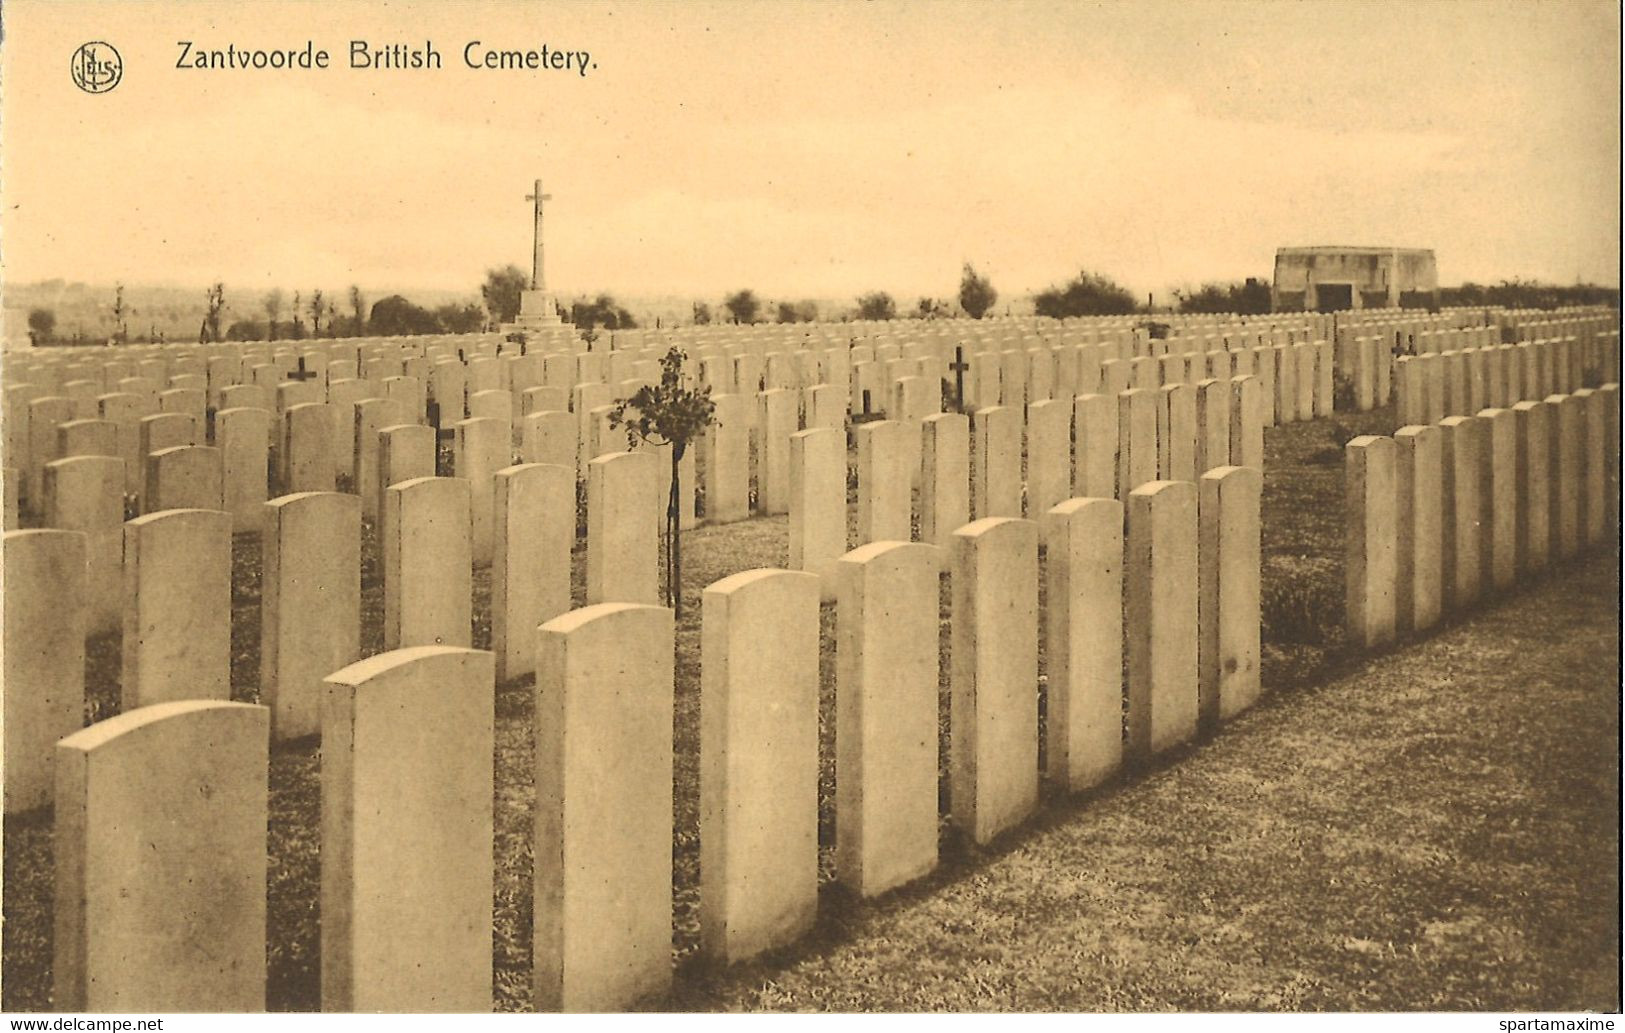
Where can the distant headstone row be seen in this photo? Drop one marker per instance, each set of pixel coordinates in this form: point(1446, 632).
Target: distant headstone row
point(1443, 514)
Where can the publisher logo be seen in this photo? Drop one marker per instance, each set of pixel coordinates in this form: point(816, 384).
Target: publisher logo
point(96, 67)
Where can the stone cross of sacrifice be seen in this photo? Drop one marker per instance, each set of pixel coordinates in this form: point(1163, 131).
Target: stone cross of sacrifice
point(537, 281)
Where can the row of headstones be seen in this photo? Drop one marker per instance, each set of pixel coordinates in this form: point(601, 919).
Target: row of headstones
point(372, 357)
point(1034, 379)
point(1459, 383)
point(1072, 441)
point(871, 366)
point(1298, 377)
point(161, 812)
point(992, 464)
point(1028, 369)
point(1595, 328)
point(1528, 324)
point(1415, 335)
point(222, 365)
point(1098, 446)
point(1403, 325)
point(1366, 342)
point(875, 380)
point(1441, 515)
point(312, 439)
point(1294, 328)
point(1133, 331)
point(416, 380)
point(482, 388)
point(164, 465)
point(562, 338)
point(261, 374)
point(231, 476)
point(1433, 342)
point(1296, 380)
point(307, 456)
point(508, 366)
point(85, 379)
point(545, 433)
point(165, 580)
point(1275, 329)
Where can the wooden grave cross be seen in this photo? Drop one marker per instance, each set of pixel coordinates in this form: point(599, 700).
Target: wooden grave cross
point(440, 433)
point(867, 415)
point(960, 367)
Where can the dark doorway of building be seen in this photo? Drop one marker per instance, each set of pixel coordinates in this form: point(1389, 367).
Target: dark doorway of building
point(1334, 297)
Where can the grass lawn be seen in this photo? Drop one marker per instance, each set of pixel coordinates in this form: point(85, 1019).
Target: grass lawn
point(1302, 599)
point(1435, 830)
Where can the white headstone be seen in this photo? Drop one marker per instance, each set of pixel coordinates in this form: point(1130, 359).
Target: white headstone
point(758, 762)
point(1083, 645)
point(310, 603)
point(530, 573)
point(160, 854)
point(1161, 612)
point(44, 650)
point(177, 607)
point(428, 570)
point(407, 738)
point(994, 711)
point(602, 936)
point(886, 716)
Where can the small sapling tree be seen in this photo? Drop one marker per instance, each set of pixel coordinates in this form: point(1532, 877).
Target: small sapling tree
point(273, 311)
point(669, 413)
point(121, 329)
point(216, 298)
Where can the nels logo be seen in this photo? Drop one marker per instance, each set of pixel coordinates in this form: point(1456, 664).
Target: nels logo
point(96, 67)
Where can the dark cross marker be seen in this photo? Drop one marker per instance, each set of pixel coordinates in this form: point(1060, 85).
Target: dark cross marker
point(440, 433)
point(960, 367)
point(302, 374)
point(867, 415)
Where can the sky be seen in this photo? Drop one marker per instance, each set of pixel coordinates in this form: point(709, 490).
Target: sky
point(814, 149)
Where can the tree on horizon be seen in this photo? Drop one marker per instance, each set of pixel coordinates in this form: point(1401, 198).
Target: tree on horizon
point(41, 325)
point(976, 293)
point(1087, 294)
point(501, 291)
point(743, 305)
point(877, 305)
point(1248, 298)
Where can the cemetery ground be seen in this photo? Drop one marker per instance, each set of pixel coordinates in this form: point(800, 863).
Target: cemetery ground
point(1434, 829)
point(1422, 830)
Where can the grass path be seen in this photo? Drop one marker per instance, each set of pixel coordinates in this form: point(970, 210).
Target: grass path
point(1433, 830)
